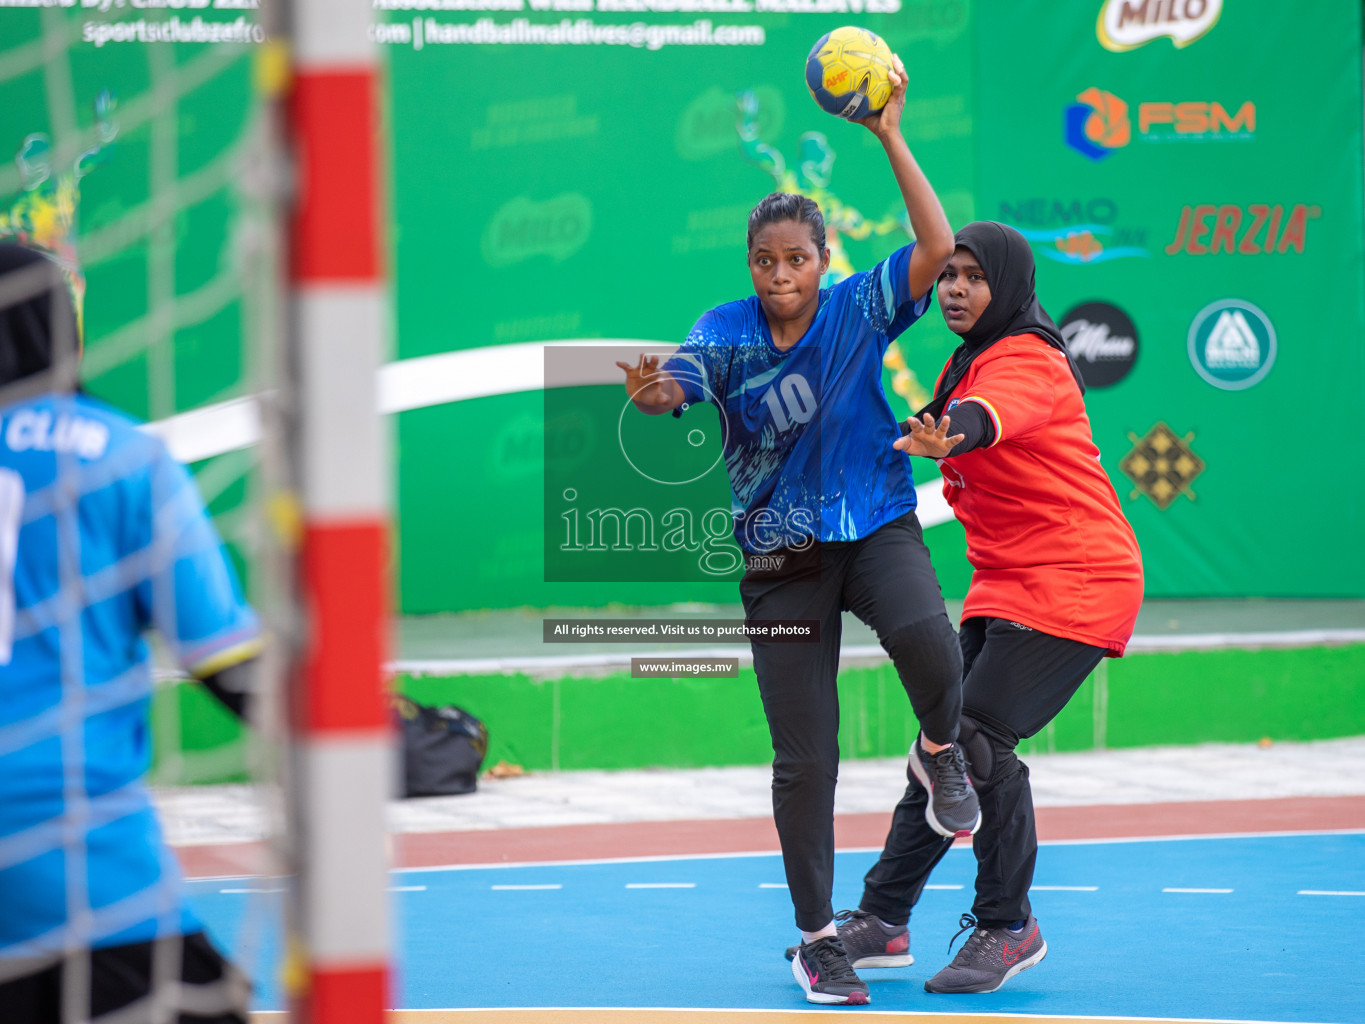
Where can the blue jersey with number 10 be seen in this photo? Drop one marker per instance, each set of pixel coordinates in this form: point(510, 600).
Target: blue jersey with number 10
point(807, 431)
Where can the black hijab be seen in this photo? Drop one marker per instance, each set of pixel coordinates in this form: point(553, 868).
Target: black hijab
point(1007, 261)
point(33, 318)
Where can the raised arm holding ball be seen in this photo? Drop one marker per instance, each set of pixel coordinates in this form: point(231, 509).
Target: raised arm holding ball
point(825, 514)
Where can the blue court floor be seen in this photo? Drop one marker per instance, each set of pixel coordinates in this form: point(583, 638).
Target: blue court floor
point(1263, 928)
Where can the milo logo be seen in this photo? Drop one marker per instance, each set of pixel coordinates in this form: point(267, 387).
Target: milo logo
point(939, 21)
point(708, 124)
point(517, 450)
point(1128, 24)
point(570, 440)
point(524, 228)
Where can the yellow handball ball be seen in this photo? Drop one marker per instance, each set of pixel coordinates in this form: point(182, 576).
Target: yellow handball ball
point(847, 72)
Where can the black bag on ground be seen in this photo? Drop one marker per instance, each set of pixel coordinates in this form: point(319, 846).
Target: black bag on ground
point(443, 748)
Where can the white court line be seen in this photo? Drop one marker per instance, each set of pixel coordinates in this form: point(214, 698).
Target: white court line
point(653, 858)
point(943, 887)
point(1066, 888)
point(609, 1012)
point(1196, 890)
point(407, 888)
point(661, 885)
point(1186, 837)
point(666, 857)
point(772, 885)
point(526, 888)
point(1329, 892)
point(250, 890)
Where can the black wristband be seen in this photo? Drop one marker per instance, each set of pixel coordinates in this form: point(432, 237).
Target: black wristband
point(970, 420)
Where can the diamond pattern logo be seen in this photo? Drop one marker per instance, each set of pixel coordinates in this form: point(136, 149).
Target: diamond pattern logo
point(1162, 465)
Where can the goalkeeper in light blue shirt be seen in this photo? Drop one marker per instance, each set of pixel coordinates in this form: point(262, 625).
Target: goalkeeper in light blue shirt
point(102, 536)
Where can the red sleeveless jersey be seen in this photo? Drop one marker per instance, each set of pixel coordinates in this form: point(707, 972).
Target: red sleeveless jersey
point(1049, 545)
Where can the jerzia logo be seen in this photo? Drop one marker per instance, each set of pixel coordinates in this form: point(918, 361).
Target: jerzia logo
point(1248, 232)
point(1232, 344)
point(1098, 123)
point(1128, 24)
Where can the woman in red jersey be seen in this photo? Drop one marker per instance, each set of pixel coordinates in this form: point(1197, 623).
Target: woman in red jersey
point(1056, 587)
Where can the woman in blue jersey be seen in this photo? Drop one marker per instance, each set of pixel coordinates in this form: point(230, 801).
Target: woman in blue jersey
point(825, 513)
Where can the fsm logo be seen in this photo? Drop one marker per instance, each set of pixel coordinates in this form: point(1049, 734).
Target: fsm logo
point(1231, 344)
point(1098, 122)
point(1128, 24)
point(1195, 121)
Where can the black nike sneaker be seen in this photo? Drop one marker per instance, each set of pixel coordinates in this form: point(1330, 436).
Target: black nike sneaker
point(822, 969)
point(953, 809)
point(870, 943)
point(990, 957)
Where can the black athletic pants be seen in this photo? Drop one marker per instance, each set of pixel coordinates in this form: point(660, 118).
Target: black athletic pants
point(885, 579)
point(1017, 680)
point(212, 991)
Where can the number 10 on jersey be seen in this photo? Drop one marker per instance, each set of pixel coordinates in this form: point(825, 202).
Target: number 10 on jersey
point(790, 402)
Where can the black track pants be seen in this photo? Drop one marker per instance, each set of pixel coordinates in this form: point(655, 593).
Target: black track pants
point(1017, 680)
point(211, 990)
point(885, 579)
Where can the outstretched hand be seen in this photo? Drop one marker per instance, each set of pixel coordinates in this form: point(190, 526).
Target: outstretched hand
point(647, 387)
point(888, 120)
point(927, 438)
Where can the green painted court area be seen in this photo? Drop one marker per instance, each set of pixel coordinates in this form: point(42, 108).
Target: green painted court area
point(1197, 672)
point(606, 721)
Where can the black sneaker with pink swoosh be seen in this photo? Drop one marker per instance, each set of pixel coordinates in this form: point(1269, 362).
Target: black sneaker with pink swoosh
point(990, 957)
point(869, 941)
point(822, 970)
point(953, 808)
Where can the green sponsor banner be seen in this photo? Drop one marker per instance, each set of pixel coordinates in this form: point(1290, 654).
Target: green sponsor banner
point(580, 170)
point(122, 131)
point(1187, 173)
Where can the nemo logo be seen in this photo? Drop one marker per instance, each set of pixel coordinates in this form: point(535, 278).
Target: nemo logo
point(1080, 245)
point(1097, 124)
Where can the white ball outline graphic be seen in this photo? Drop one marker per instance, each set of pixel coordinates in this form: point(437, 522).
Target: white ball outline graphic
point(709, 395)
